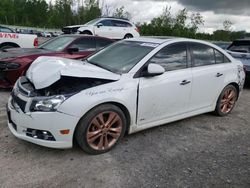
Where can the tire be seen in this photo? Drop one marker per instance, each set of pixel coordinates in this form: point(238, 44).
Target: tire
point(95, 137)
point(86, 33)
point(226, 101)
point(128, 36)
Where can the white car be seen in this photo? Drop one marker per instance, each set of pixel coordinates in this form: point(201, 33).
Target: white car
point(129, 86)
point(110, 27)
point(10, 39)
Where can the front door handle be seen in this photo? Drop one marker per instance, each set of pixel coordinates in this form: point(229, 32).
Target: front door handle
point(185, 82)
point(219, 74)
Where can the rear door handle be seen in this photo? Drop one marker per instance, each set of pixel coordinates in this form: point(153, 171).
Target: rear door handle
point(185, 82)
point(219, 74)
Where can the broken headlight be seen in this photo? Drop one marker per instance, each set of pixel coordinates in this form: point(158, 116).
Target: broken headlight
point(47, 104)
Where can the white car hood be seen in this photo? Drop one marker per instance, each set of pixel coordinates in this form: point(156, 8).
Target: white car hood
point(45, 71)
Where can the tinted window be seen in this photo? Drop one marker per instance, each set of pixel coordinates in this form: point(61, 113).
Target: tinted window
point(118, 23)
point(106, 23)
point(202, 55)
point(172, 57)
point(58, 43)
point(85, 44)
point(101, 43)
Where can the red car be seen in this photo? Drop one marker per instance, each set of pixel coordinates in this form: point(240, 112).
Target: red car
point(15, 62)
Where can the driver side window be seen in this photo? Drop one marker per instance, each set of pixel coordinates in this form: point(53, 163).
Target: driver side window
point(173, 57)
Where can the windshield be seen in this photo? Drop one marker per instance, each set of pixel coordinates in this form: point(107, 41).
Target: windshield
point(240, 46)
point(92, 21)
point(58, 43)
point(121, 57)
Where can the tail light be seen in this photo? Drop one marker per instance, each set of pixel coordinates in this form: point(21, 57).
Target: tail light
point(137, 29)
point(35, 42)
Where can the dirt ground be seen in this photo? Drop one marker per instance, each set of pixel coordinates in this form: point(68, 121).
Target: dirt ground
point(202, 151)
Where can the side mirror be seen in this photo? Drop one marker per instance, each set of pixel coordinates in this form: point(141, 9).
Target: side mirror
point(72, 50)
point(99, 25)
point(153, 70)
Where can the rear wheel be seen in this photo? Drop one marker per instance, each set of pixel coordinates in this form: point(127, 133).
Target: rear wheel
point(128, 36)
point(101, 129)
point(226, 101)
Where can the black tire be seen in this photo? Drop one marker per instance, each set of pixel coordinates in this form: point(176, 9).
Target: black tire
point(86, 33)
point(128, 36)
point(219, 110)
point(85, 124)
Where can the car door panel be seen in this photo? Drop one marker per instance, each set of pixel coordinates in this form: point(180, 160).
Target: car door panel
point(166, 95)
point(163, 96)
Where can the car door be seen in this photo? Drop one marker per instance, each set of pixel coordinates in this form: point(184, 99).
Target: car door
point(208, 76)
point(166, 95)
point(120, 29)
point(105, 29)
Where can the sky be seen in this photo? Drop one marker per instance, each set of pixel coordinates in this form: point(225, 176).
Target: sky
point(214, 12)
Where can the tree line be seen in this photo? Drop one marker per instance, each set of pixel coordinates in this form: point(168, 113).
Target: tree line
point(39, 13)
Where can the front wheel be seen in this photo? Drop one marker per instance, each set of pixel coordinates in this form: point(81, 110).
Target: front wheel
point(226, 101)
point(101, 129)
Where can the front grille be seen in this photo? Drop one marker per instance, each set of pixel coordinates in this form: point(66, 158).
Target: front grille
point(21, 103)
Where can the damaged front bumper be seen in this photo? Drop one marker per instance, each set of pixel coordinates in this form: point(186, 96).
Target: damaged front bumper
point(42, 128)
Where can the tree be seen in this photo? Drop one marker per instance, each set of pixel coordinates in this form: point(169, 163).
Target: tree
point(121, 13)
point(227, 24)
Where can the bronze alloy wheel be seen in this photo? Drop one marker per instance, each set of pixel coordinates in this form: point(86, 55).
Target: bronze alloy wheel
point(228, 100)
point(101, 129)
point(104, 130)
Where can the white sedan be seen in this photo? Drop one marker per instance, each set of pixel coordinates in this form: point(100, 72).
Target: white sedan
point(129, 86)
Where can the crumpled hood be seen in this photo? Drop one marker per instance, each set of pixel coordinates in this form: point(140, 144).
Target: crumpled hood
point(45, 71)
point(21, 52)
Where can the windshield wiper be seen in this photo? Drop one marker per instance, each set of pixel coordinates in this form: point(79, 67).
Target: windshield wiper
point(101, 66)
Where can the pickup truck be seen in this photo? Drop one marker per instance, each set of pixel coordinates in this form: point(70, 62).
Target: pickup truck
point(240, 49)
point(10, 39)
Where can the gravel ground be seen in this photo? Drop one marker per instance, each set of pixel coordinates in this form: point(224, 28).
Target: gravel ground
point(202, 151)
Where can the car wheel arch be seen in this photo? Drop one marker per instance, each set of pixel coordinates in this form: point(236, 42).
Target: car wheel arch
point(119, 105)
point(14, 45)
point(87, 32)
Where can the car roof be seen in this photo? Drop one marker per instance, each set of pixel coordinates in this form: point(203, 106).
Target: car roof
point(164, 39)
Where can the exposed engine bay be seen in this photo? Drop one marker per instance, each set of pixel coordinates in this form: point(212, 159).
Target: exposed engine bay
point(66, 85)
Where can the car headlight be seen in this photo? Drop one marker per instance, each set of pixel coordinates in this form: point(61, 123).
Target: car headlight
point(47, 104)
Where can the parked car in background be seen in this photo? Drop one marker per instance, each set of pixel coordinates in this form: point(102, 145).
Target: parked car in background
point(15, 62)
point(129, 86)
point(46, 34)
point(110, 27)
point(71, 29)
point(240, 49)
point(10, 39)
